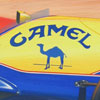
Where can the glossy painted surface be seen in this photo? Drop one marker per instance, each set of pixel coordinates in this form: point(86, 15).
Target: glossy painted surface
point(46, 85)
point(39, 83)
point(6, 23)
point(53, 45)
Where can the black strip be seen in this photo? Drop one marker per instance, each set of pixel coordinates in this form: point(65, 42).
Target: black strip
point(18, 18)
point(82, 93)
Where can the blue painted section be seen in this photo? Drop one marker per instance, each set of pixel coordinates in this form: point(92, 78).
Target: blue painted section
point(98, 73)
point(6, 86)
point(46, 86)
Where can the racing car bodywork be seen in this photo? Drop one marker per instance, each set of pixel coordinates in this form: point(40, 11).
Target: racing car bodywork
point(50, 58)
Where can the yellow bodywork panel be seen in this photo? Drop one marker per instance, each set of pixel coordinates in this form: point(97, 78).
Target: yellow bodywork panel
point(77, 38)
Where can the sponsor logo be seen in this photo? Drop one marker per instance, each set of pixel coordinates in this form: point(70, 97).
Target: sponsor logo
point(72, 33)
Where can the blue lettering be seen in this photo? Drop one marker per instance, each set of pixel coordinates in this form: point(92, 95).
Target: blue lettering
point(72, 31)
point(54, 28)
point(41, 33)
point(83, 39)
point(13, 43)
point(39, 30)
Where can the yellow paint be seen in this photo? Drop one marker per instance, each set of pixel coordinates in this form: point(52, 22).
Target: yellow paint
point(81, 60)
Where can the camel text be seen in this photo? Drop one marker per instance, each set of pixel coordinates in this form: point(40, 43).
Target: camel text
point(72, 33)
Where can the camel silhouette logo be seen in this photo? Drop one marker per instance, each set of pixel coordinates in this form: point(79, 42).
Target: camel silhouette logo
point(53, 52)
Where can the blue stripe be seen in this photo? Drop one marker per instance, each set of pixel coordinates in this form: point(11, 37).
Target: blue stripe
point(62, 86)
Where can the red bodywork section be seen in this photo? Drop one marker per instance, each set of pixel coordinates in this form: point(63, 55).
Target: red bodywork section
point(6, 23)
